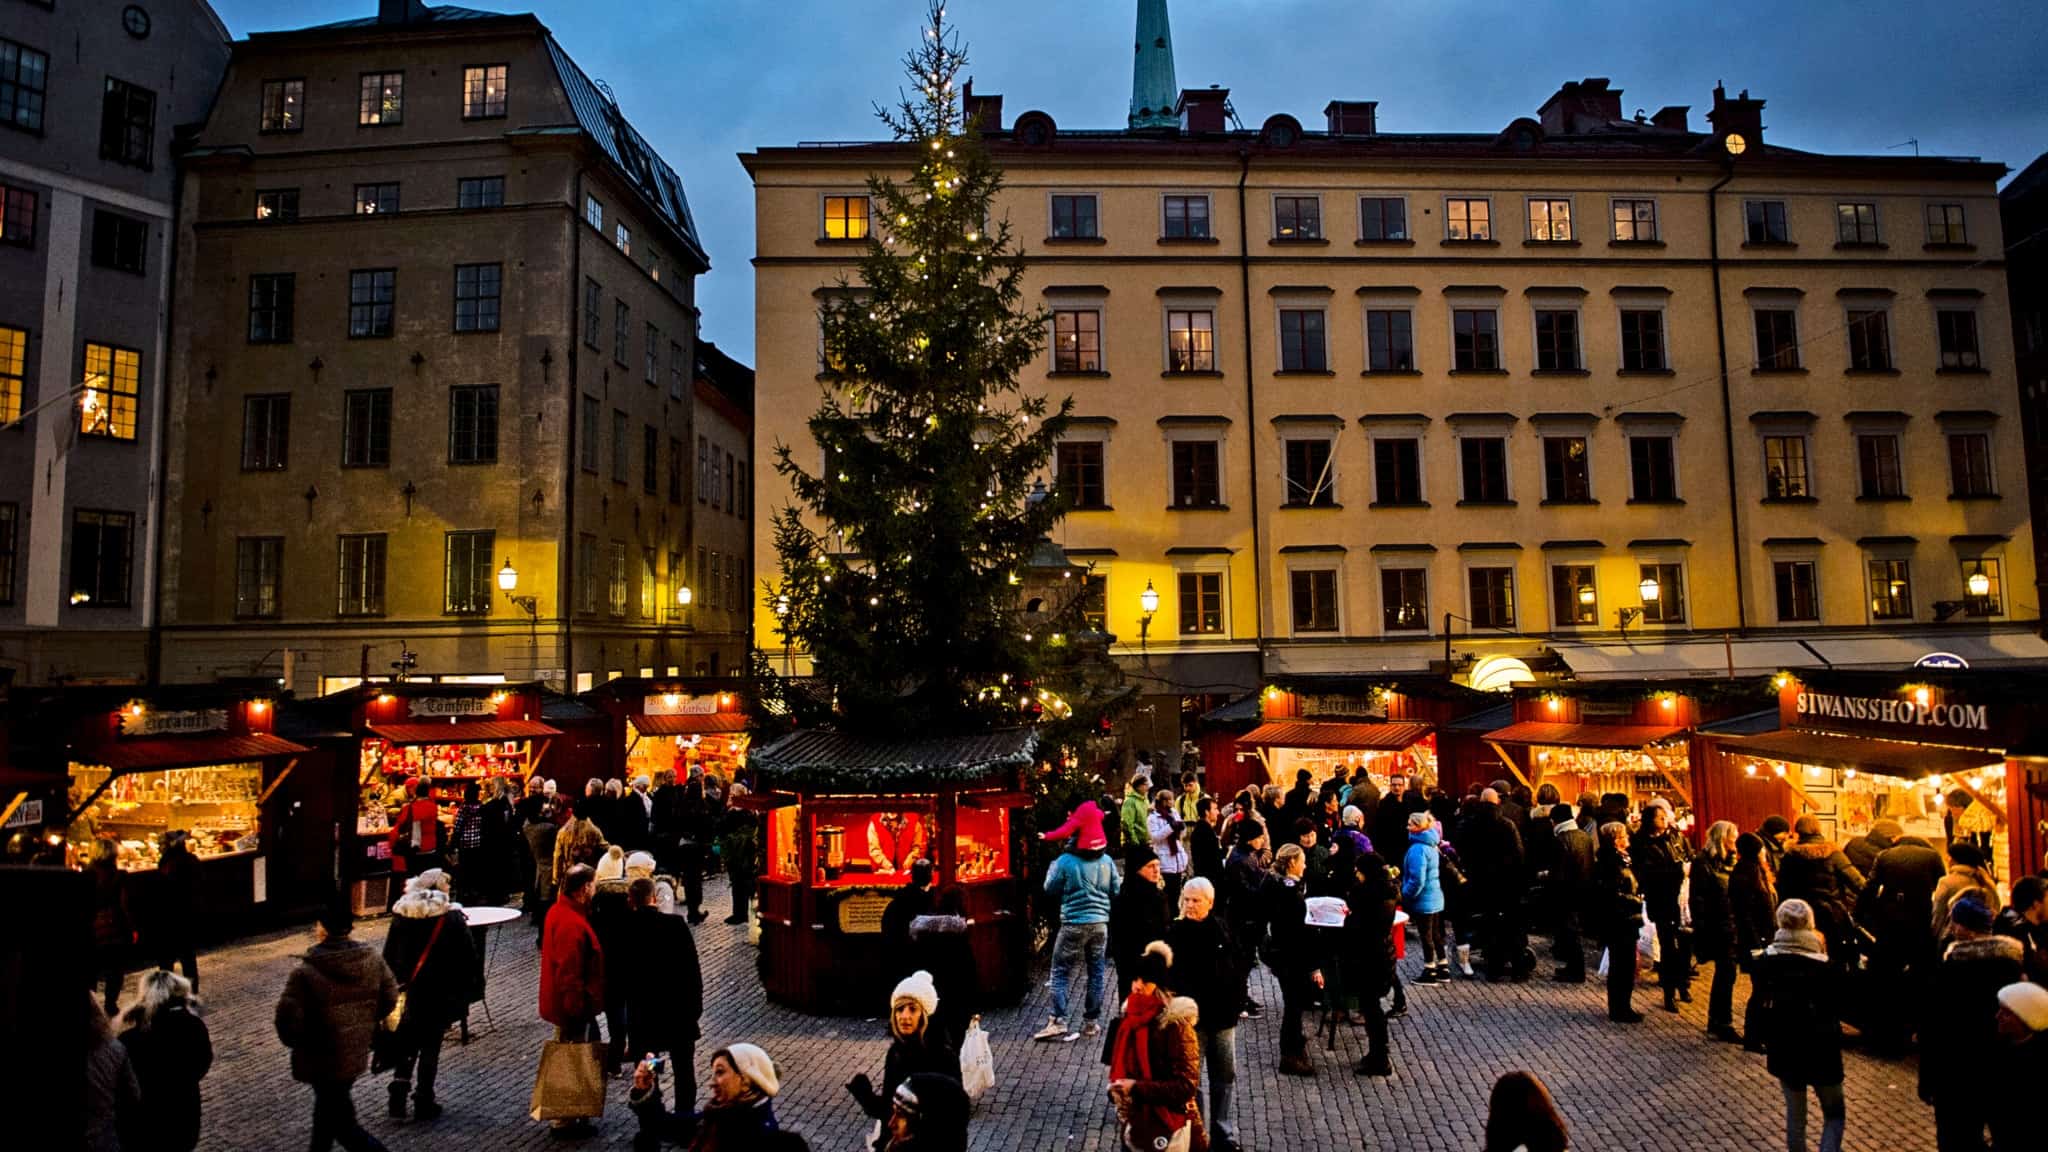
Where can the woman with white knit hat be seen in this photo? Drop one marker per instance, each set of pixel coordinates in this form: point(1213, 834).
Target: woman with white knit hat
point(917, 1044)
point(740, 1116)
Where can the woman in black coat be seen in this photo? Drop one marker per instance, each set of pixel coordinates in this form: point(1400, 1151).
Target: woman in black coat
point(1294, 953)
point(1803, 1024)
point(1618, 904)
point(174, 910)
point(1816, 871)
point(171, 1051)
point(429, 952)
point(1713, 926)
point(1365, 963)
point(1137, 916)
point(1753, 910)
point(939, 945)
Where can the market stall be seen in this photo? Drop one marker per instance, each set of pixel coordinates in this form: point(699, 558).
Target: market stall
point(843, 820)
point(1382, 725)
point(683, 726)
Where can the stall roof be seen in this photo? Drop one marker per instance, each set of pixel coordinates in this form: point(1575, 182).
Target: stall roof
point(1498, 716)
point(1335, 735)
point(557, 707)
point(191, 751)
point(705, 725)
point(476, 732)
point(1407, 684)
point(1584, 735)
point(1706, 656)
point(819, 758)
point(1243, 710)
point(1885, 757)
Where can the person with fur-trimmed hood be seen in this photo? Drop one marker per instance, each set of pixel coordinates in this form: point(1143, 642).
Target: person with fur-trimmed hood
point(917, 1043)
point(327, 1016)
point(1155, 1060)
point(429, 951)
point(1960, 1028)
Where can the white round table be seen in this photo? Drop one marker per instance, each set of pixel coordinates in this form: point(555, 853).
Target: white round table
point(486, 919)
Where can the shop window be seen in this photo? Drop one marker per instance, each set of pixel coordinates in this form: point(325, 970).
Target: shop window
point(483, 92)
point(981, 844)
point(1574, 602)
point(1669, 605)
point(1567, 476)
point(1311, 483)
point(1302, 347)
point(868, 849)
point(1313, 595)
point(1492, 602)
point(1404, 599)
point(1190, 340)
point(113, 386)
point(1389, 340)
point(1798, 591)
point(470, 574)
point(215, 806)
point(1891, 589)
point(1201, 603)
point(1077, 340)
point(846, 217)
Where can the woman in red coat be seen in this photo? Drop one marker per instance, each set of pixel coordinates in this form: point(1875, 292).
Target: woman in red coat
point(572, 970)
point(415, 836)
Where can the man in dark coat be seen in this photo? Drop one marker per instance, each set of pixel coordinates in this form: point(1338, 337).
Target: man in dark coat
point(656, 969)
point(174, 910)
point(327, 1016)
point(693, 839)
point(1209, 968)
point(1137, 916)
point(1816, 871)
point(1960, 1027)
point(2026, 920)
point(1659, 854)
point(1618, 916)
point(1491, 851)
point(1243, 888)
point(911, 901)
point(1571, 874)
point(1205, 844)
point(1388, 823)
point(1864, 850)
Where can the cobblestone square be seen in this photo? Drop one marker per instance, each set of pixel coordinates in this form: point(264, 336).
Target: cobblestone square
point(1658, 1086)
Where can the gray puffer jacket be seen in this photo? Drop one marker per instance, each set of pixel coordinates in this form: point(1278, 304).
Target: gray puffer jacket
point(330, 1008)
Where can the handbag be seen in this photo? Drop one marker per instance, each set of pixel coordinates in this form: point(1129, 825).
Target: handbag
point(569, 1084)
point(977, 1063)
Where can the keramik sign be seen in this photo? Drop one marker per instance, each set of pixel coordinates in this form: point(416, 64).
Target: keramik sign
point(1889, 710)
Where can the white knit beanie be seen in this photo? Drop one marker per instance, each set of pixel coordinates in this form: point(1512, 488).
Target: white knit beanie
point(755, 1067)
point(639, 864)
point(613, 866)
point(917, 986)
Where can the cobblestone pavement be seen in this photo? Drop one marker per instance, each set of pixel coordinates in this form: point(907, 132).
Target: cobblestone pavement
point(1656, 1086)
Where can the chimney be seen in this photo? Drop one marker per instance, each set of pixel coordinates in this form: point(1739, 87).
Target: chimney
point(1672, 117)
point(987, 110)
point(1353, 117)
point(1580, 106)
point(400, 11)
point(1202, 110)
point(1740, 116)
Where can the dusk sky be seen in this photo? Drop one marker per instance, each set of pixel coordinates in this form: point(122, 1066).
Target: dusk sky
point(707, 79)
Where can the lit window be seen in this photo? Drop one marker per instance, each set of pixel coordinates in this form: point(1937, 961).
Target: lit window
point(13, 361)
point(1669, 606)
point(1982, 571)
point(1635, 221)
point(278, 205)
point(1574, 602)
point(1891, 590)
point(1076, 340)
point(846, 217)
point(483, 92)
point(1404, 599)
point(376, 199)
point(1190, 340)
point(284, 103)
point(113, 384)
point(1785, 476)
point(1468, 219)
point(381, 98)
point(1550, 220)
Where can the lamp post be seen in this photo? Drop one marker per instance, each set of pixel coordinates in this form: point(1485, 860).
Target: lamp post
point(782, 625)
point(1651, 592)
point(1148, 600)
point(508, 581)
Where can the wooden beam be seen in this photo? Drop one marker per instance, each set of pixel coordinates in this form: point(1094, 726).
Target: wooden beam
point(1508, 760)
point(7, 813)
point(1962, 781)
point(533, 766)
point(289, 765)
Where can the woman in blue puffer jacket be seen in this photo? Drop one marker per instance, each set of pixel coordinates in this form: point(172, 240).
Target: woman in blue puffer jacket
point(1422, 894)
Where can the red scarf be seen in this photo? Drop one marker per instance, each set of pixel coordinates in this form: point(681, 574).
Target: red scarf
point(1131, 1057)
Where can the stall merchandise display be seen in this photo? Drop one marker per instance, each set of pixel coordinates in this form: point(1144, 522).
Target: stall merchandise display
point(981, 844)
point(443, 769)
point(215, 805)
point(1418, 759)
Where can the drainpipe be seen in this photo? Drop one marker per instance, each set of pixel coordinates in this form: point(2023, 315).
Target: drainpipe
point(1727, 401)
point(1251, 408)
point(565, 574)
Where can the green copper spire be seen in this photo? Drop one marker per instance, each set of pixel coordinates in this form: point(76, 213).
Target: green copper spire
point(1153, 90)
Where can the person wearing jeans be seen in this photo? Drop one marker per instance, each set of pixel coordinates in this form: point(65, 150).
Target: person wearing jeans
point(1209, 969)
point(1803, 1025)
point(1083, 880)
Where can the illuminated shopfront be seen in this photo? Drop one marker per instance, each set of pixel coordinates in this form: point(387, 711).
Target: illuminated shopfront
point(1384, 726)
point(681, 726)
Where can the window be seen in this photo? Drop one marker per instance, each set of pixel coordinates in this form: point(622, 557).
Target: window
point(647, 583)
point(258, 560)
point(622, 324)
point(1078, 471)
point(119, 242)
point(284, 105)
point(1389, 340)
point(1785, 475)
point(1878, 469)
point(1957, 330)
point(1870, 340)
point(1382, 218)
point(24, 73)
point(1992, 602)
point(1969, 464)
point(1468, 219)
point(366, 428)
point(1314, 596)
point(1642, 340)
point(703, 470)
point(623, 237)
point(616, 586)
point(1550, 220)
point(1856, 223)
point(359, 578)
point(675, 470)
point(1484, 462)
point(1475, 340)
point(1777, 340)
point(102, 549)
point(278, 205)
point(1297, 217)
point(1073, 217)
point(1301, 341)
point(675, 370)
point(471, 575)
point(371, 293)
point(1652, 469)
point(1397, 470)
point(1197, 474)
point(1635, 221)
point(591, 433)
point(1076, 340)
point(1798, 591)
point(1574, 603)
point(17, 216)
point(1891, 589)
point(480, 192)
point(1557, 340)
point(1764, 222)
point(473, 424)
point(1095, 601)
point(653, 358)
point(1567, 476)
point(586, 573)
point(1492, 595)
point(1310, 480)
point(13, 371)
point(380, 98)
point(1185, 217)
point(738, 506)
point(127, 123)
point(476, 297)
point(593, 212)
point(846, 217)
point(1404, 599)
point(1668, 607)
point(113, 387)
point(621, 451)
point(266, 432)
point(376, 199)
point(483, 92)
point(1201, 603)
point(593, 304)
point(731, 483)
point(1944, 221)
point(650, 459)
point(270, 308)
point(1190, 340)
point(10, 515)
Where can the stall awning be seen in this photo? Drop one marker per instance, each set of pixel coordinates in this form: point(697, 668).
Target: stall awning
point(1884, 757)
point(1334, 735)
point(1984, 650)
point(190, 752)
point(479, 732)
point(704, 725)
point(1584, 735)
point(1645, 659)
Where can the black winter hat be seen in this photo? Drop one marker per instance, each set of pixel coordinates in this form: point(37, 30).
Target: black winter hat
point(1137, 857)
point(1156, 965)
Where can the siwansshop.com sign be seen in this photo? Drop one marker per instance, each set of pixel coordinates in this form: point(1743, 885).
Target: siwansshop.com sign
point(1894, 711)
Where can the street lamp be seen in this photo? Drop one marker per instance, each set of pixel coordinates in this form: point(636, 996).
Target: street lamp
point(684, 595)
point(1650, 589)
point(1149, 601)
point(782, 622)
point(508, 581)
point(1979, 584)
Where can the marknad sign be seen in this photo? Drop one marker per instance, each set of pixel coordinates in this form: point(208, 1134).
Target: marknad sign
point(1891, 710)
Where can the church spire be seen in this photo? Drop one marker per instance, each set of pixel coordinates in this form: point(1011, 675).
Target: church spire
point(1153, 90)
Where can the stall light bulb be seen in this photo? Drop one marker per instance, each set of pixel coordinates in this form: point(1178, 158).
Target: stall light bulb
point(135, 709)
point(1920, 697)
point(1848, 773)
point(258, 705)
point(1670, 702)
point(1778, 769)
point(1553, 702)
point(670, 699)
point(1749, 769)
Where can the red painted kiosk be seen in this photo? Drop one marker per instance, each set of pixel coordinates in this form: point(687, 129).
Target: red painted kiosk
point(1384, 725)
point(675, 725)
point(843, 821)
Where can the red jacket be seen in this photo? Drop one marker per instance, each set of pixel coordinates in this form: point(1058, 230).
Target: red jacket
point(428, 814)
point(571, 967)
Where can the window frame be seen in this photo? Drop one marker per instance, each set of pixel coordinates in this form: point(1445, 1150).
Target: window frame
point(360, 580)
point(258, 558)
point(1783, 350)
point(136, 147)
point(1298, 316)
point(1577, 344)
point(1952, 323)
point(622, 330)
point(1796, 480)
point(365, 438)
point(846, 216)
point(1966, 469)
point(1858, 320)
point(266, 431)
point(13, 372)
point(1871, 465)
point(1626, 345)
point(23, 107)
point(1992, 604)
point(1466, 358)
point(1758, 217)
point(1191, 360)
point(1072, 202)
point(1324, 605)
point(616, 589)
point(1373, 341)
point(1473, 450)
point(1070, 354)
point(1664, 485)
point(272, 300)
point(483, 86)
point(10, 548)
point(622, 448)
point(477, 298)
point(1565, 585)
point(20, 209)
point(290, 109)
point(1379, 214)
point(377, 198)
point(475, 421)
point(1860, 232)
point(119, 242)
point(1401, 575)
point(1193, 469)
point(1954, 233)
point(1550, 223)
point(380, 97)
point(1413, 470)
point(1073, 478)
point(365, 325)
point(1189, 229)
point(285, 209)
point(104, 518)
point(1635, 222)
point(1561, 472)
point(1486, 617)
point(1221, 595)
point(1319, 491)
point(1786, 589)
point(482, 588)
point(473, 193)
point(116, 398)
point(650, 459)
point(1304, 230)
point(1896, 603)
point(1670, 574)
point(1462, 217)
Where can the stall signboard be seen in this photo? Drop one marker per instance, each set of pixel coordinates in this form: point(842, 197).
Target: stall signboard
point(1328, 704)
point(443, 706)
point(28, 815)
point(148, 722)
point(1946, 661)
point(676, 704)
point(1915, 713)
point(860, 914)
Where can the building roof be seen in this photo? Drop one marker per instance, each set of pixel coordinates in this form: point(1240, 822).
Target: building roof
point(732, 379)
point(436, 14)
point(824, 760)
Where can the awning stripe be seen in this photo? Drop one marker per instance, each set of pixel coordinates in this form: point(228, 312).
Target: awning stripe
point(693, 725)
point(189, 752)
point(1883, 757)
point(475, 732)
point(1390, 737)
point(1584, 735)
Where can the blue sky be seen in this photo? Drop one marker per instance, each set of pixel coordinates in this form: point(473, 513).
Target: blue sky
point(707, 79)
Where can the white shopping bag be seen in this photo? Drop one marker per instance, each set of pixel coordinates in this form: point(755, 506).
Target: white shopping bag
point(977, 1064)
point(1646, 948)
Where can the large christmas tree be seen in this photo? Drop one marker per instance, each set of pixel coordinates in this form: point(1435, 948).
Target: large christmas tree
point(902, 558)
